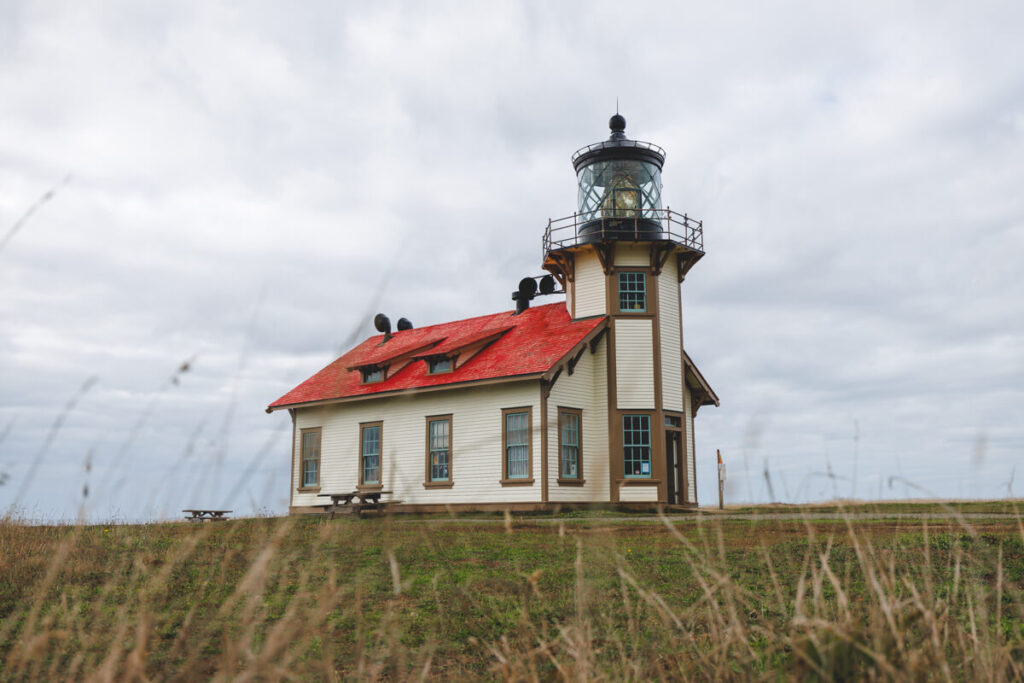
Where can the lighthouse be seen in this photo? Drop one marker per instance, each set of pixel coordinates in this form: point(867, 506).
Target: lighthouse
point(624, 256)
point(568, 403)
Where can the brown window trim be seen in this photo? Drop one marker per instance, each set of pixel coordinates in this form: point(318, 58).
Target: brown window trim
point(380, 456)
point(647, 291)
point(517, 482)
point(639, 482)
point(313, 488)
point(578, 480)
point(505, 481)
point(441, 483)
point(364, 371)
point(433, 359)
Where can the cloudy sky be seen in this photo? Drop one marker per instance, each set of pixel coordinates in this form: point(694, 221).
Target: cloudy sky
point(202, 204)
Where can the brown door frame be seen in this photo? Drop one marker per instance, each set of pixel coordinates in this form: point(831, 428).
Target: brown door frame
point(675, 485)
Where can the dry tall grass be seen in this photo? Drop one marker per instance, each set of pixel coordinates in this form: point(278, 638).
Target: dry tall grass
point(388, 599)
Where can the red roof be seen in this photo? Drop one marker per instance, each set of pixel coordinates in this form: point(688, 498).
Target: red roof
point(534, 342)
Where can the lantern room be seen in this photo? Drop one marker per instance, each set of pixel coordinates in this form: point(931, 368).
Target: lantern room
point(619, 186)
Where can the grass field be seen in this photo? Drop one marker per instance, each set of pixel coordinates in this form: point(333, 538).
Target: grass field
point(547, 597)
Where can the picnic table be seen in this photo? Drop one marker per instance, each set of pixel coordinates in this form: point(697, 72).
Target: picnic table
point(355, 502)
point(212, 515)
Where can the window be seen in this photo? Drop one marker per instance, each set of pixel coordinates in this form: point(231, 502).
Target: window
point(310, 451)
point(517, 465)
point(375, 374)
point(570, 465)
point(439, 450)
point(369, 453)
point(673, 421)
point(438, 365)
point(632, 292)
point(636, 445)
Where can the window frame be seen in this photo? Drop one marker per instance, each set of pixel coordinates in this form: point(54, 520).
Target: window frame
point(528, 479)
point(428, 482)
point(437, 359)
point(366, 371)
point(303, 487)
point(649, 446)
point(618, 291)
point(578, 480)
point(379, 484)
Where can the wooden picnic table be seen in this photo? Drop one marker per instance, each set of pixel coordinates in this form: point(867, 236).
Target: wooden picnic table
point(212, 515)
point(355, 502)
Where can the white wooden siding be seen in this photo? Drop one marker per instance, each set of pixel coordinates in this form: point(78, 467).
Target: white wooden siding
point(691, 457)
point(589, 287)
point(586, 389)
point(632, 255)
point(638, 494)
point(476, 446)
point(671, 338)
point(634, 363)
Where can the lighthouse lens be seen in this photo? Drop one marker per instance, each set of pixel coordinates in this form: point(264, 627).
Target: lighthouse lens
point(619, 189)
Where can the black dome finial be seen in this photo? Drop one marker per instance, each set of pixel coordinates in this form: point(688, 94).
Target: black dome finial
point(617, 123)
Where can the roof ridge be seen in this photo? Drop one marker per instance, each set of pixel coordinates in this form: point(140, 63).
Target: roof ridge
point(462, 320)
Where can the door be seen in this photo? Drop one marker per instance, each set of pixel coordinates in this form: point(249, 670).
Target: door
point(673, 449)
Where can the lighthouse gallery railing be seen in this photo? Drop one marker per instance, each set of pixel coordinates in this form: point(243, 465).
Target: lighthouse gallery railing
point(676, 227)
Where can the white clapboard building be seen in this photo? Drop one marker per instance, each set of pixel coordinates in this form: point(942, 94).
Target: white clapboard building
point(590, 400)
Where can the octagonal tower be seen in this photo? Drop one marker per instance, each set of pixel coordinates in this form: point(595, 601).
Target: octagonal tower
point(623, 256)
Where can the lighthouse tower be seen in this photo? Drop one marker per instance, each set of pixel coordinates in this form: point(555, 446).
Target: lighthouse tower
point(624, 256)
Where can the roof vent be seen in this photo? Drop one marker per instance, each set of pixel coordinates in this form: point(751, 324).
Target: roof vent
point(528, 287)
point(404, 324)
point(381, 322)
point(527, 290)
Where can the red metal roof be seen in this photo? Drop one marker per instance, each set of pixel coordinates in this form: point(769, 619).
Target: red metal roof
point(455, 343)
point(535, 341)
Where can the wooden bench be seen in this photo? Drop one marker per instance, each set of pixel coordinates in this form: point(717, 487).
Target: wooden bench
point(355, 502)
point(212, 515)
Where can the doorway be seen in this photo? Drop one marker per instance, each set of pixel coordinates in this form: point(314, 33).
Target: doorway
point(674, 465)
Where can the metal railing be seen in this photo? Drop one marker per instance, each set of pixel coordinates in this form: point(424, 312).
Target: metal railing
point(639, 144)
point(578, 228)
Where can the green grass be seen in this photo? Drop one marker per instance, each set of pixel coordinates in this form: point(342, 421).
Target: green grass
point(400, 598)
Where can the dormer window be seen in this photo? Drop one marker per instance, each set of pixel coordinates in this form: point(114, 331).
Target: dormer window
point(439, 365)
point(374, 374)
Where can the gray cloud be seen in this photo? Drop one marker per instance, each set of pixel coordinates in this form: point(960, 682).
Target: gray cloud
point(857, 170)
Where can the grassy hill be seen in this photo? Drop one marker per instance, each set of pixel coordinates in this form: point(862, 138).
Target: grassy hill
point(579, 596)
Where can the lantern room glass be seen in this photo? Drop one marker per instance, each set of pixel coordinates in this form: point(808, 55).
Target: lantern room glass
point(621, 188)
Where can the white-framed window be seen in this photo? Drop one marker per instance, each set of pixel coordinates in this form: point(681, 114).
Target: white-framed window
point(636, 446)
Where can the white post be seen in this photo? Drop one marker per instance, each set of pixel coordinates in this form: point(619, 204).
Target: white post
point(721, 481)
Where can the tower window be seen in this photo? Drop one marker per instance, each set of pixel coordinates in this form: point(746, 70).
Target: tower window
point(632, 292)
point(636, 445)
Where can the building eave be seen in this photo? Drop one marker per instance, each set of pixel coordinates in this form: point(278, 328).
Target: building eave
point(409, 391)
point(705, 394)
